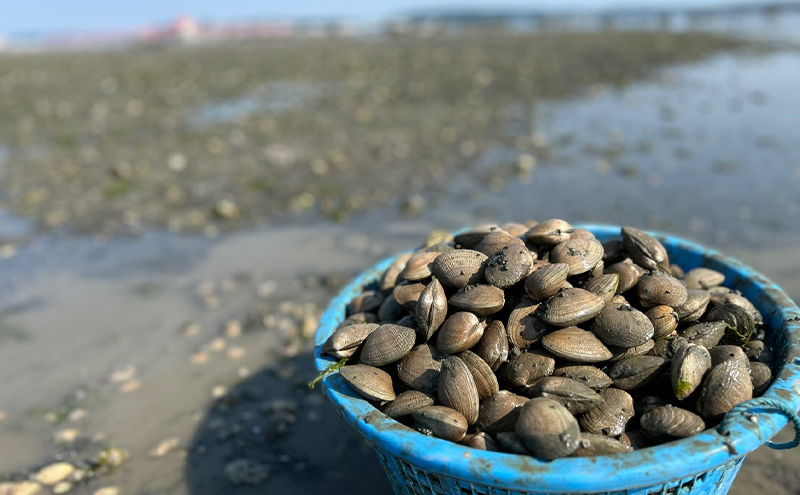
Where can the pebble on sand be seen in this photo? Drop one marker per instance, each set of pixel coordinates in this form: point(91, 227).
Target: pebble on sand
point(227, 209)
point(217, 345)
point(165, 446)
point(233, 329)
point(191, 329)
point(77, 414)
point(199, 358)
point(122, 374)
point(236, 352)
point(218, 392)
point(107, 490)
point(20, 488)
point(62, 487)
point(3, 415)
point(130, 386)
point(67, 435)
point(54, 473)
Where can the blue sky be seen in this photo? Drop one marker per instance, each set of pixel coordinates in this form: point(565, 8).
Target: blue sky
point(38, 16)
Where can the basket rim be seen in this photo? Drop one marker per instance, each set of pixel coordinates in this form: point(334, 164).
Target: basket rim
point(675, 460)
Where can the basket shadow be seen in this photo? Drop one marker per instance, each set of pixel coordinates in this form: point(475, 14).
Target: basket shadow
point(290, 438)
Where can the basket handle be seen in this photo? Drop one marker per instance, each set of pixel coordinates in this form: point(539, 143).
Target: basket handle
point(749, 405)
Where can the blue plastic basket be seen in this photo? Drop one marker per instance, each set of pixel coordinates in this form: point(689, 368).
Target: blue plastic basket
point(703, 464)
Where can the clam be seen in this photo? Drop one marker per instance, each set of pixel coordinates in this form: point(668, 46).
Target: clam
point(546, 280)
point(482, 374)
point(722, 353)
point(706, 334)
point(753, 349)
point(660, 288)
point(459, 332)
point(418, 266)
point(628, 275)
point(420, 368)
point(572, 394)
point(644, 249)
point(618, 353)
point(740, 323)
point(459, 268)
point(604, 285)
point(547, 429)
point(457, 389)
point(676, 271)
point(524, 369)
point(664, 320)
point(695, 305)
point(511, 442)
point(690, 363)
point(635, 372)
point(579, 233)
point(525, 324)
point(407, 402)
point(703, 278)
point(667, 347)
point(508, 266)
point(407, 294)
point(493, 346)
point(366, 302)
point(671, 422)
point(636, 439)
point(591, 444)
point(496, 241)
point(371, 383)
point(479, 299)
point(621, 325)
point(345, 341)
point(387, 344)
point(515, 229)
point(391, 277)
point(500, 412)
point(760, 375)
point(718, 299)
point(440, 421)
point(571, 306)
point(726, 385)
point(611, 417)
point(549, 233)
point(431, 309)
point(481, 441)
point(470, 238)
point(391, 310)
point(580, 255)
point(590, 376)
point(576, 345)
point(358, 319)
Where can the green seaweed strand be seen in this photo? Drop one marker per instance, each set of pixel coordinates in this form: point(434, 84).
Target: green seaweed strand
point(327, 371)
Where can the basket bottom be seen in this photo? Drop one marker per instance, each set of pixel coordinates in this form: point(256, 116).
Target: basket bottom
point(408, 479)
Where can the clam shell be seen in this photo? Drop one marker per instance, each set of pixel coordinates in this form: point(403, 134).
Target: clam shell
point(644, 249)
point(591, 444)
point(420, 368)
point(387, 344)
point(571, 306)
point(366, 302)
point(676, 271)
point(481, 441)
point(576, 345)
point(549, 233)
point(740, 323)
point(722, 353)
point(459, 332)
point(482, 374)
point(753, 349)
point(371, 383)
point(695, 305)
point(546, 281)
point(671, 422)
point(618, 353)
point(510, 442)
point(611, 417)
point(660, 288)
point(508, 266)
point(664, 320)
point(418, 266)
point(726, 385)
point(620, 325)
point(459, 268)
point(407, 402)
point(604, 285)
point(525, 324)
point(547, 429)
point(613, 251)
point(628, 275)
point(391, 310)
point(580, 255)
point(442, 422)
point(457, 389)
point(407, 294)
point(358, 319)
point(703, 278)
point(470, 238)
point(496, 241)
point(667, 347)
point(760, 375)
point(493, 346)
point(345, 341)
point(579, 233)
point(431, 309)
point(590, 376)
point(515, 229)
point(524, 369)
point(636, 439)
point(479, 299)
point(689, 365)
point(718, 299)
point(635, 372)
point(705, 334)
point(572, 394)
point(391, 277)
point(500, 412)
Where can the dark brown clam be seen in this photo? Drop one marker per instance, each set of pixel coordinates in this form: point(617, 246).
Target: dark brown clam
point(579, 233)
point(667, 347)
point(591, 376)
point(481, 441)
point(695, 305)
point(407, 402)
point(706, 334)
point(371, 383)
point(459, 268)
point(690, 363)
point(391, 277)
point(619, 299)
point(546, 280)
point(482, 374)
point(459, 332)
point(493, 346)
point(407, 294)
point(418, 266)
point(637, 439)
point(613, 251)
point(457, 388)
point(500, 412)
point(618, 353)
point(591, 444)
point(431, 309)
point(420, 368)
point(740, 323)
point(345, 341)
point(496, 241)
point(635, 372)
point(753, 349)
point(718, 299)
point(510, 442)
point(525, 324)
point(571, 306)
point(644, 249)
point(387, 344)
point(604, 285)
point(470, 238)
point(479, 299)
point(664, 320)
point(409, 321)
point(524, 369)
point(549, 233)
point(508, 266)
point(366, 302)
point(621, 325)
point(547, 429)
point(391, 310)
point(760, 375)
point(358, 319)
point(580, 255)
point(703, 278)
point(676, 271)
point(611, 417)
point(722, 353)
point(671, 422)
point(726, 385)
point(576, 345)
point(628, 274)
point(515, 229)
point(442, 422)
point(572, 394)
point(660, 288)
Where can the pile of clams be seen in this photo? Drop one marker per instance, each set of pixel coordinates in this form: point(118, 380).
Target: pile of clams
point(538, 339)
